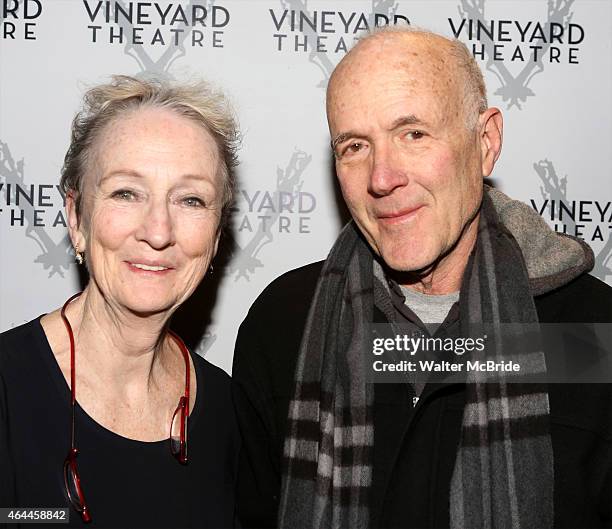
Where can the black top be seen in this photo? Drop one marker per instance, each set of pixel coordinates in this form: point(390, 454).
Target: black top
point(126, 483)
point(414, 447)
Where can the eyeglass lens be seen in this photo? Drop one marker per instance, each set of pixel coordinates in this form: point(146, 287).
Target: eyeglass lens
point(178, 437)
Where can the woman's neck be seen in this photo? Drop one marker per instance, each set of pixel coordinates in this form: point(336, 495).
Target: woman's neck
point(123, 349)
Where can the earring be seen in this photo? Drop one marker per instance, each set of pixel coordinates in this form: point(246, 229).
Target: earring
point(78, 255)
point(210, 269)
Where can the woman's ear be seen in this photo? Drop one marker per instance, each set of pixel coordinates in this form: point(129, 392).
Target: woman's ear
point(73, 214)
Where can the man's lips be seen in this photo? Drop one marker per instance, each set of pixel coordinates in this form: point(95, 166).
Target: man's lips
point(395, 217)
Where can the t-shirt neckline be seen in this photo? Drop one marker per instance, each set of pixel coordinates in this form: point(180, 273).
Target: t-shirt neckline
point(89, 422)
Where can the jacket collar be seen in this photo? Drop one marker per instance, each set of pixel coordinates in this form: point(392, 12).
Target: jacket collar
point(552, 259)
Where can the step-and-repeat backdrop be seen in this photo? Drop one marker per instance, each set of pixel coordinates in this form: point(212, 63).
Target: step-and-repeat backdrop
point(547, 63)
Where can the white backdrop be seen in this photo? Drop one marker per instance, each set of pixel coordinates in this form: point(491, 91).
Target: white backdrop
point(273, 58)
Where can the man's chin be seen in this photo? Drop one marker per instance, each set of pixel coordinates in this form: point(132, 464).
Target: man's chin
point(402, 260)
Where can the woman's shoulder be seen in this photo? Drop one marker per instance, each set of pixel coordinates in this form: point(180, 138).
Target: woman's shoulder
point(214, 389)
point(17, 343)
point(213, 376)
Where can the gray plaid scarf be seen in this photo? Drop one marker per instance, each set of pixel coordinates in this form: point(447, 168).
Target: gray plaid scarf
point(503, 476)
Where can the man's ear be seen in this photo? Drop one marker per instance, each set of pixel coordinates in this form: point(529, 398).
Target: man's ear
point(74, 221)
point(491, 133)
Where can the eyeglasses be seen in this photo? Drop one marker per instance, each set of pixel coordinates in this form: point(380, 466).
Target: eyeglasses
point(178, 427)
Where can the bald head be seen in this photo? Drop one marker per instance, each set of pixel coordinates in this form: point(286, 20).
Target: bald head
point(413, 139)
point(447, 64)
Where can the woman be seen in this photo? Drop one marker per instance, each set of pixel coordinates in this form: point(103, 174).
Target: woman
point(102, 408)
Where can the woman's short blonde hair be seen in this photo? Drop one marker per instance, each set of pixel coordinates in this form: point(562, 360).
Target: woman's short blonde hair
point(105, 103)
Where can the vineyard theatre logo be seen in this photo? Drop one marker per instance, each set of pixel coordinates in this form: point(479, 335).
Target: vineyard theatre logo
point(162, 62)
point(522, 46)
point(19, 18)
point(320, 34)
point(35, 209)
point(324, 31)
point(267, 213)
point(590, 220)
point(156, 23)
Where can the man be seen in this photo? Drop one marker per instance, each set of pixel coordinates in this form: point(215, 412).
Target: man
point(429, 244)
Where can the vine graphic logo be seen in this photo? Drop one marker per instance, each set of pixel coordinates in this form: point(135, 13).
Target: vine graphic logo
point(590, 220)
point(28, 206)
point(206, 343)
point(532, 43)
point(171, 53)
point(321, 34)
point(286, 209)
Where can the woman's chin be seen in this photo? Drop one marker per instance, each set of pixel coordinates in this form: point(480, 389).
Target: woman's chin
point(148, 307)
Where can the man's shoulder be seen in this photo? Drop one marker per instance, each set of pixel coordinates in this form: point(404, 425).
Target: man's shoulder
point(292, 289)
point(584, 299)
point(277, 318)
point(269, 337)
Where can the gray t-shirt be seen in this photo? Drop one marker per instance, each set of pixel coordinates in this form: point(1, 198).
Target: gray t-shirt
point(430, 308)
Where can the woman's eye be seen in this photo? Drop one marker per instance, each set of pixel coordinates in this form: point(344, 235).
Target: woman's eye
point(194, 202)
point(124, 194)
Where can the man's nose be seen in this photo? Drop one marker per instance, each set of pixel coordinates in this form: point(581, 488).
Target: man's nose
point(157, 228)
point(387, 172)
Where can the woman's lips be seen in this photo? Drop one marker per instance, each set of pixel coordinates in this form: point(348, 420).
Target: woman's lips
point(397, 217)
point(148, 267)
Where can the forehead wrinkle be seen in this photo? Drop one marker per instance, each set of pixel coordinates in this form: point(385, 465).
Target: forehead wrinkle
point(121, 172)
point(415, 53)
point(427, 70)
point(409, 119)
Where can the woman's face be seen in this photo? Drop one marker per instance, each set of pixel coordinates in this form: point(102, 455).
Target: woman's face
point(150, 210)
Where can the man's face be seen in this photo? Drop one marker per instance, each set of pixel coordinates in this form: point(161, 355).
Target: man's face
point(409, 169)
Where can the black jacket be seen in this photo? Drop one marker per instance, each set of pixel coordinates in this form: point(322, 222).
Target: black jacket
point(415, 449)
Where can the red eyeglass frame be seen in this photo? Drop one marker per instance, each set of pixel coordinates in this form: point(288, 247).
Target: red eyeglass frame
point(183, 405)
point(70, 465)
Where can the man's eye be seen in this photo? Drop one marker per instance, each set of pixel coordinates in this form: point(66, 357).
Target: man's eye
point(415, 134)
point(194, 202)
point(124, 194)
point(352, 148)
